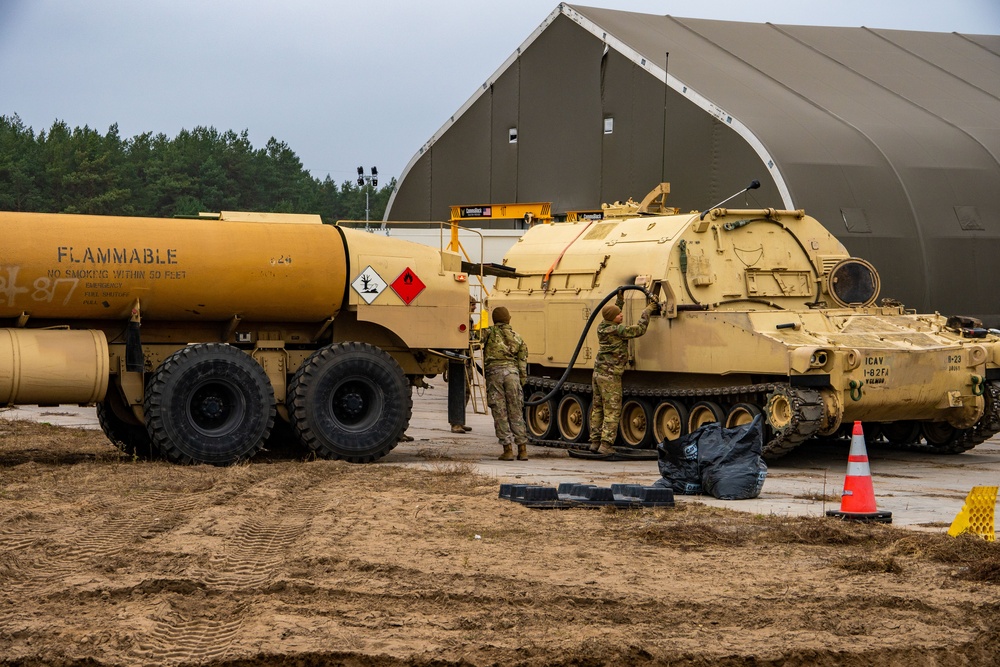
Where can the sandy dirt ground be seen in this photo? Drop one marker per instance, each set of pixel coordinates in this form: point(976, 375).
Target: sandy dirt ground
point(291, 561)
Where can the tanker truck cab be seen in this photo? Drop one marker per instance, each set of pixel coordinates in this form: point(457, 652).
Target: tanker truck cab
point(763, 312)
point(193, 336)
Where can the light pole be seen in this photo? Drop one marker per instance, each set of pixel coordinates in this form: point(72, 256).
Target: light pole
point(371, 178)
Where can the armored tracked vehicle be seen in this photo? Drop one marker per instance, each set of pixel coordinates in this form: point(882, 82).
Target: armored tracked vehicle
point(761, 311)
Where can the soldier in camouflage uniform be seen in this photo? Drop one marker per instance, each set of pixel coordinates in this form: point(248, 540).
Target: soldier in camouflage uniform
point(505, 360)
point(469, 370)
point(612, 357)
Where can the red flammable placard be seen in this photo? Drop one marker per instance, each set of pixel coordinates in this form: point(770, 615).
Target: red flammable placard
point(407, 286)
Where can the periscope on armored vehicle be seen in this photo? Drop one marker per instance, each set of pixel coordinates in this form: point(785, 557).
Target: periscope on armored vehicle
point(196, 337)
point(763, 311)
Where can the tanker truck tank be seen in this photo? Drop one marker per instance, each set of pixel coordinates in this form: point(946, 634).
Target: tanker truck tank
point(194, 335)
point(762, 311)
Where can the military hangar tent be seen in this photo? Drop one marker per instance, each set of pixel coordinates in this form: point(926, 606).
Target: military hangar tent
point(890, 138)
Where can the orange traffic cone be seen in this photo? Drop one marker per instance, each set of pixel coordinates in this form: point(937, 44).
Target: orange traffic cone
point(857, 503)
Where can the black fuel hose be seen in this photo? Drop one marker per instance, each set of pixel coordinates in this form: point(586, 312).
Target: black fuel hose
point(579, 345)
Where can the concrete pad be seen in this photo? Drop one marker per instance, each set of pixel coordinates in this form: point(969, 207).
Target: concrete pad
point(918, 488)
point(922, 491)
point(70, 416)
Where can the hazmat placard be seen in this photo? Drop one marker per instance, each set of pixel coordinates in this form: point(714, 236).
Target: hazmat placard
point(407, 285)
point(369, 284)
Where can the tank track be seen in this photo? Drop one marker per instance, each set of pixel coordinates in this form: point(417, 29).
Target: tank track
point(806, 418)
point(989, 424)
point(964, 439)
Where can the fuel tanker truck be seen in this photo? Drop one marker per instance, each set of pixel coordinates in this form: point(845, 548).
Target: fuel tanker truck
point(192, 336)
point(760, 311)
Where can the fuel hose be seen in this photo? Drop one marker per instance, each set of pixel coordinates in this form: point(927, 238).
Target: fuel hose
point(583, 337)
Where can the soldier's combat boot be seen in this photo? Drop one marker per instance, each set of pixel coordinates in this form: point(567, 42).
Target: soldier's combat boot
point(508, 453)
point(522, 452)
point(605, 449)
point(594, 446)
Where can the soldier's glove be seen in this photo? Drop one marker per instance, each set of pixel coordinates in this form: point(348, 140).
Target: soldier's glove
point(621, 294)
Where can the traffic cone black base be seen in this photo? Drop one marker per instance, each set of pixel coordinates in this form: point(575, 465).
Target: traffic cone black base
point(868, 517)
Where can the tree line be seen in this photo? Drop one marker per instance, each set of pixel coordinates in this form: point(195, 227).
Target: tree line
point(79, 170)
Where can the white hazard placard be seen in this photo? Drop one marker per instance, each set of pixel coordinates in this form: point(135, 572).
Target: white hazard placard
point(369, 284)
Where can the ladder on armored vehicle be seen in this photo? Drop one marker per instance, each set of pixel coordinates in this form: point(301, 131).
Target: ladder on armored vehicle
point(476, 383)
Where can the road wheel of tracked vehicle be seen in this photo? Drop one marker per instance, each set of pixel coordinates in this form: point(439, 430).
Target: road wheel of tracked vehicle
point(943, 438)
point(209, 403)
point(901, 433)
point(938, 433)
point(540, 419)
point(122, 428)
point(669, 421)
point(741, 414)
point(571, 418)
point(636, 425)
point(350, 401)
point(780, 411)
point(872, 430)
point(705, 412)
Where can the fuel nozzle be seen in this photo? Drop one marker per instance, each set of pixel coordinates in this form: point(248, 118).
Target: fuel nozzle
point(652, 297)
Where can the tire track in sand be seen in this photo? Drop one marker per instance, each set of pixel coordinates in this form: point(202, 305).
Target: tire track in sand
point(178, 638)
point(250, 560)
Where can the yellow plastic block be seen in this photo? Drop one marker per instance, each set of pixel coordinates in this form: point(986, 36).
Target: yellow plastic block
point(977, 513)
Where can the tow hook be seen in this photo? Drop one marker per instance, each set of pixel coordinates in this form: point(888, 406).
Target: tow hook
point(856, 390)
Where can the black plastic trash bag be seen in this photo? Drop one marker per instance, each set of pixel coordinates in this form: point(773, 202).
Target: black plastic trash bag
point(723, 462)
point(678, 461)
point(730, 460)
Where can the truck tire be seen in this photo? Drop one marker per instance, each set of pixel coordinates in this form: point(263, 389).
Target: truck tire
point(209, 403)
point(131, 438)
point(350, 401)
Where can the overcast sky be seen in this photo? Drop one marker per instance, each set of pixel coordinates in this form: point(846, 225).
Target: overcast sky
point(342, 82)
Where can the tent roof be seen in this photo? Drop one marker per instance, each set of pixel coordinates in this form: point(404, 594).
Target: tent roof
point(802, 94)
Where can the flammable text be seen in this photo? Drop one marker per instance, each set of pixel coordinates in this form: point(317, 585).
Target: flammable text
point(90, 255)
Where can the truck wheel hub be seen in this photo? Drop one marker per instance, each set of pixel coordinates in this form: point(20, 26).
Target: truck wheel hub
point(352, 404)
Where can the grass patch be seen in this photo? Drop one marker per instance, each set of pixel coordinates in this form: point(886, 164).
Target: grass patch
point(434, 454)
point(818, 497)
